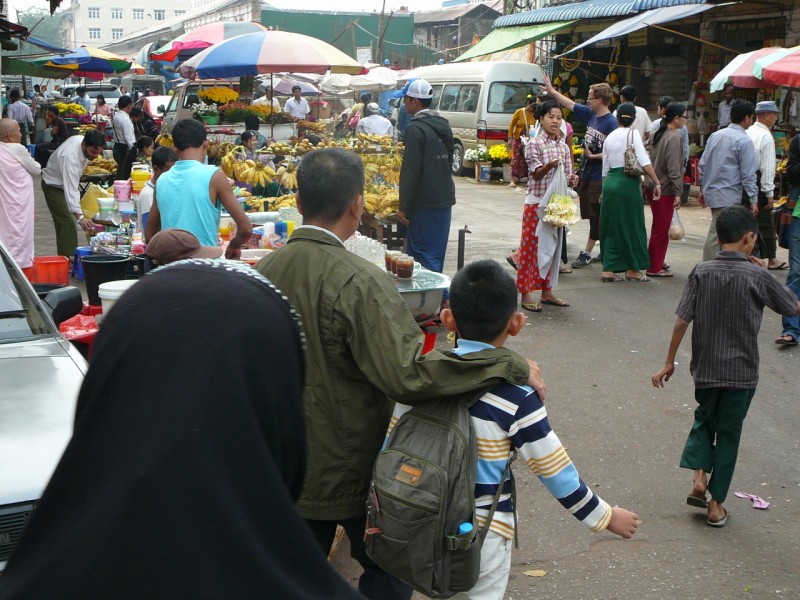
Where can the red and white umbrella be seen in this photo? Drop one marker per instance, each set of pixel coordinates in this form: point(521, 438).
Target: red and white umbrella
point(739, 72)
point(782, 68)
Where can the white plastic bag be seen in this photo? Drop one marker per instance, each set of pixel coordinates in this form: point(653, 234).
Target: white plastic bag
point(676, 230)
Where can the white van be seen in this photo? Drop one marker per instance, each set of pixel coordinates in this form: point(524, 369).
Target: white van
point(479, 99)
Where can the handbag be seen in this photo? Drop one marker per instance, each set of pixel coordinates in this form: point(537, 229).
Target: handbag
point(632, 166)
point(354, 119)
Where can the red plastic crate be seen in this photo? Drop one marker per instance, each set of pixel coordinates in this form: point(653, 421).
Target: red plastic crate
point(51, 269)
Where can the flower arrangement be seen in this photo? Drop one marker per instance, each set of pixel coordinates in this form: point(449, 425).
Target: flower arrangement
point(218, 95)
point(477, 155)
point(201, 109)
point(70, 109)
point(499, 152)
point(98, 119)
point(561, 211)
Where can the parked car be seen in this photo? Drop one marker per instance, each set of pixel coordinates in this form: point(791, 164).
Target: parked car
point(478, 99)
point(41, 374)
point(109, 91)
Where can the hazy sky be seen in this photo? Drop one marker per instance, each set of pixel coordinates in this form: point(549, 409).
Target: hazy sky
point(323, 5)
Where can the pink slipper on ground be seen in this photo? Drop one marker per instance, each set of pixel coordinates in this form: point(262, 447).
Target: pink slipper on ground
point(758, 501)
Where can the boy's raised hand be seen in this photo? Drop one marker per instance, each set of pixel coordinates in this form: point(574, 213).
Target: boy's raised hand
point(623, 522)
point(663, 375)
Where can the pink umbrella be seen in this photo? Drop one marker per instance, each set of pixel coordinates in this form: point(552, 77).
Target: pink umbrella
point(191, 43)
point(785, 70)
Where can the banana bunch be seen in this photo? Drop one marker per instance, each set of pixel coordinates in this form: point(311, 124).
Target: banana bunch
point(87, 127)
point(243, 170)
point(286, 201)
point(100, 166)
point(287, 176)
point(381, 140)
point(303, 146)
point(316, 127)
point(390, 169)
point(781, 168)
point(279, 148)
point(226, 163)
point(165, 139)
point(382, 200)
point(92, 170)
point(259, 174)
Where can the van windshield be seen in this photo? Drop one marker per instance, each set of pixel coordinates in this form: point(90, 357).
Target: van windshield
point(507, 97)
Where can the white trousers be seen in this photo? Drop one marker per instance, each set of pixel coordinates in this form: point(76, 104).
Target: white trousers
point(495, 569)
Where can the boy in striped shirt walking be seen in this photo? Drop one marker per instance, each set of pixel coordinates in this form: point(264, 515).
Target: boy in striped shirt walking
point(483, 310)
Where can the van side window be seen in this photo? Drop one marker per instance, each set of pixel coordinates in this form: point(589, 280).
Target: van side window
point(468, 98)
point(449, 96)
point(190, 99)
point(507, 97)
point(437, 93)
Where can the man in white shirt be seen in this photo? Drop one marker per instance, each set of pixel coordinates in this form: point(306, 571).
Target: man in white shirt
point(724, 108)
point(16, 194)
point(375, 123)
point(124, 138)
point(296, 106)
point(642, 121)
point(20, 112)
point(60, 181)
point(82, 99)
point(760, 133)
point(268, 100)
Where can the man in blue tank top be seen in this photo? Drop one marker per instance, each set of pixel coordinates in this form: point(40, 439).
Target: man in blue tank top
point(191, 194)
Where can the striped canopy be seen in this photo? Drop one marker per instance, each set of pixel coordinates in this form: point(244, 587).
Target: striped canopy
point(189, 44)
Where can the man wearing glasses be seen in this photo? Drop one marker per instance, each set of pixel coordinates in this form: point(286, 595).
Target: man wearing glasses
point(599, 123)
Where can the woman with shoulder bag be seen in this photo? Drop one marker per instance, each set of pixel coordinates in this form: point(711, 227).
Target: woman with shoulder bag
point(522, 121)
point(623, 237)
point(666, 155)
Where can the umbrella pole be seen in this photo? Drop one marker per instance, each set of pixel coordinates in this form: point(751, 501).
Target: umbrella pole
point(272, 120)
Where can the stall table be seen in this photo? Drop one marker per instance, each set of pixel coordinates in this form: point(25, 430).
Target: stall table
point(387, 231)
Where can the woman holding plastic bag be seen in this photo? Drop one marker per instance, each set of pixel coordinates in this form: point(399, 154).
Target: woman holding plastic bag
point(666, 156)
point(623, 237)
point(550, 172)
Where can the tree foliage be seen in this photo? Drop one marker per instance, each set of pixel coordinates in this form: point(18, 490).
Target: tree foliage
point(44, 26)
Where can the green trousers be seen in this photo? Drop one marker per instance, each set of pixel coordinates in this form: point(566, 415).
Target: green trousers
point(64, 221)
point(713, 442)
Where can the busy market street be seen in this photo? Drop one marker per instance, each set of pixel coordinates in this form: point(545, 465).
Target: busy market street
point(597, 357)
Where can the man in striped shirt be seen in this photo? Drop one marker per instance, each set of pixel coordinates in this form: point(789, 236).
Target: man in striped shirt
point(725, 300)
point(483, 311)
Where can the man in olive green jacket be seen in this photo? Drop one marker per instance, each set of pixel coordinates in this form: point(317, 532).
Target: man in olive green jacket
point(363, 351)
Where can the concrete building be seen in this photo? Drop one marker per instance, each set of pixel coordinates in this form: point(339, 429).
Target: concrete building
point(98, 23)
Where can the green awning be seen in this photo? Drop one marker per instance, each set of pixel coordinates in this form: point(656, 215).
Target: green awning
point(17, 66)
point(506, 38)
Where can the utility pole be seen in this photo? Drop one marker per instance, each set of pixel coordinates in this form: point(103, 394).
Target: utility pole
point(379, 58)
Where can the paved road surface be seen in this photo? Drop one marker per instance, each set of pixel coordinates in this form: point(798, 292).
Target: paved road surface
point(626, 437)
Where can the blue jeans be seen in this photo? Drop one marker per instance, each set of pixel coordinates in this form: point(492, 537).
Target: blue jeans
point(428, 231)
point(791, 325)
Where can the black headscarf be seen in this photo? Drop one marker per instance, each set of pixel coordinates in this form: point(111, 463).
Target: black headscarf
point(187, 454)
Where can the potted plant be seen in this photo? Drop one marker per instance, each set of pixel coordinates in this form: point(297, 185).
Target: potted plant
point(207, 113)
point(501, 157)
point(483, 165)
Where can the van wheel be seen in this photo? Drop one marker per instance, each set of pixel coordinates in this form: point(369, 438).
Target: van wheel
point(458, 158)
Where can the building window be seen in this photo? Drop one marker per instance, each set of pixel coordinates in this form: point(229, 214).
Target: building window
point(116, 33)
point(116, 13)
point(158, 14)
point(94, 12)
point(178, 13)
point(94, 33)
point(138, 14)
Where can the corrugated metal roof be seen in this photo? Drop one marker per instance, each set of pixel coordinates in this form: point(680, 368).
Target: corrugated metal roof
point(455, 12)
point(591, 9)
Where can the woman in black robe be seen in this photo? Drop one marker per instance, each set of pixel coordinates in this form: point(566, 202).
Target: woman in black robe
point(187, 454)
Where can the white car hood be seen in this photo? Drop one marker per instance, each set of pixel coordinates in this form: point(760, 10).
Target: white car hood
point(40, 384)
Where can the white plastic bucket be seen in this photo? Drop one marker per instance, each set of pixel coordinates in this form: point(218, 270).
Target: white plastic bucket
point(111, 291)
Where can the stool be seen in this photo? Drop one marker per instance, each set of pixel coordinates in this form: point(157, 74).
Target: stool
point(77, 265)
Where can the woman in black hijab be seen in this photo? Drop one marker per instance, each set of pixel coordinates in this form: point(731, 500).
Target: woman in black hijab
point(187, 454)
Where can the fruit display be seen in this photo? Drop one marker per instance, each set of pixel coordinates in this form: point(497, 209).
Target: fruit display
point(165, 139)
point(287, 176)
point(386, 166)
point(315, 126)
point(82, 129)
point(261, 204)
point(380, 140)
point(217, 150)
point(100, 166)
point(381, 200)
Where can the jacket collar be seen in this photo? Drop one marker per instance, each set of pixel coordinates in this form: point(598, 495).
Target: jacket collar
point(315, 234)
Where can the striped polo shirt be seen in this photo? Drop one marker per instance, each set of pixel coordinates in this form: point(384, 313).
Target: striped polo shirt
point(725, 298)
point(510, 416)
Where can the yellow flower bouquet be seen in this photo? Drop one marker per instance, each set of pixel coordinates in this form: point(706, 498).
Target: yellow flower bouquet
point(70, 108)
point(500, 153)
point(218, 95)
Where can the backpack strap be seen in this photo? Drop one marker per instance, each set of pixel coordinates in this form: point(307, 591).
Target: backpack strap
point(485, 529)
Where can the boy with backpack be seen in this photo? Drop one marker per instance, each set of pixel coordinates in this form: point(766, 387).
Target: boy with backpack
point(725, 298)
point(507, 418)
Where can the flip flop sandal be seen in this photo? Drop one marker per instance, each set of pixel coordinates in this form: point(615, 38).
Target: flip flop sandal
point(786, 340)
point(565, 270)
point(659, 274)
point(531, 306)
point(556, 302)
point(511, 262)
point(614, 279)
point(696, 501)
point(643, 279)
point(721, 522)
point(781, 267)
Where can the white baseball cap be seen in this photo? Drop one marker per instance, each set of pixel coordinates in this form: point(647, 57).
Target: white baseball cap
point(419, 88)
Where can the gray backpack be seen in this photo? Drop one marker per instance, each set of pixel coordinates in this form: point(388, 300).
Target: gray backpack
point(421, 522)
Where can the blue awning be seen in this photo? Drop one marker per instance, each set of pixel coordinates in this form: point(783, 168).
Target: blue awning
point(591, 9)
